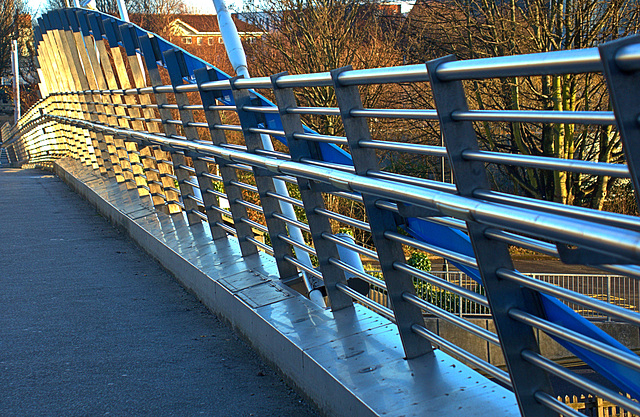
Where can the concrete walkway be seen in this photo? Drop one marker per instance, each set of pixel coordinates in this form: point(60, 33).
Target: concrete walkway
point(90, 325)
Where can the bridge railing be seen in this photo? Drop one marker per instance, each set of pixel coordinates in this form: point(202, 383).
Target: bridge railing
point(169, 127)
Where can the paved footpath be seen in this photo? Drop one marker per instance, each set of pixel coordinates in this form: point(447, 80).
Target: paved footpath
point(91, 326)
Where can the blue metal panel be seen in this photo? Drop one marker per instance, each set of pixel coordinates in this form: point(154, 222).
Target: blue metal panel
point(84, 23)
point(129, 39)
point(72, 19)
point(97, 28)
point(111, 31)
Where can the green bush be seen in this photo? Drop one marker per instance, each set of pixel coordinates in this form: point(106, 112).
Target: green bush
point(420, 260)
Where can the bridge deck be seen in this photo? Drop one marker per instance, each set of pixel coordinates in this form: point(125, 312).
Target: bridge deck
point(90, 325)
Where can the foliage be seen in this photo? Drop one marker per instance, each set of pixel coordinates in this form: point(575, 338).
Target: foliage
point(420, 260)
point(435, 295)
point(105, 6)
point(158, 13)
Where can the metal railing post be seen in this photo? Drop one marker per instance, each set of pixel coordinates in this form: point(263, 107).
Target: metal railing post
point(101, 67)
point(51, 78)
point(491, 255)
point(122, 77)
point(177, 70)
point(265, 185)
point(609, 294)
point(147, 153)
point(312, 200)
point(398, 282)
point(54, 41)
point(96, 81)
point(624, 92)
point(459, 298)
point(78, 78)
point(227, 173)
point(87, 78)
point(106, 56)
point(151, 54)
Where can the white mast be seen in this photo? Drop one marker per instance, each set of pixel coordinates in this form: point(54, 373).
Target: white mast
point(122, 8)
point(15, 66)
point(238, 60)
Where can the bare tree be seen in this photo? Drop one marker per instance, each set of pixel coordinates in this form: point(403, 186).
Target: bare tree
point(310, 36)
point(156, 15)
point(12, 24)
point(148, 7)
point(15, 23)
point(483, 28)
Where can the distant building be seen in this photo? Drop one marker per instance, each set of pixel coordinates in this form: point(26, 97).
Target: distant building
point(204, 30)
point(197, 34)
point(403, 7)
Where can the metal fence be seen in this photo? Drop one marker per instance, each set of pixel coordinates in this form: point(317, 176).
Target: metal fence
point(595, 407)
point(617, 290)
point(614, 289)
point(172, 129)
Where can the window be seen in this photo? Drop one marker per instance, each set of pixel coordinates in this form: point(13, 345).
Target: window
point(220, 40)
point(199, 41)
point(187, 39)
point(210, 40)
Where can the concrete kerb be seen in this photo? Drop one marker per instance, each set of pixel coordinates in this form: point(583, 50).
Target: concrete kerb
point(347, 363)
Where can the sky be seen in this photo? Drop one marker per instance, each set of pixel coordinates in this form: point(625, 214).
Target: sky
point(204, 6)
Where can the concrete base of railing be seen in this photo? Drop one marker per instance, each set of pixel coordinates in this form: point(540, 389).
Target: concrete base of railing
point(348, 363)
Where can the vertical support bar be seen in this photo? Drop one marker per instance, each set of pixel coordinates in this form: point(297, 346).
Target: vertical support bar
point(121, 151)
point(79, 79)
point(491, 255)
point(177, 70)
point(231, 39)
point(228, 174)
point(608, 294)
point(312, 200)
point(85, 73)
point(264, 182)
point(151, 54)
point(122, 8)
point(43, 77)
point(122, 77)
point(381, 221)
point(460, 303)
point(624, 92)
point(96, 81)
point(98, 54)
point(67, 72)
point(147, 153)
